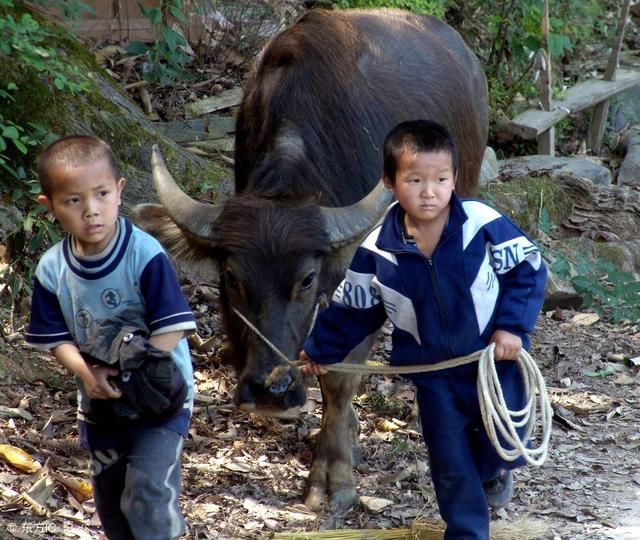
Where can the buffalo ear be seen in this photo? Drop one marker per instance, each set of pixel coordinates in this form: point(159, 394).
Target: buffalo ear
point(154, 219)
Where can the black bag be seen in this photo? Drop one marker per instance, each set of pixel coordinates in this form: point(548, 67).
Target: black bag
point(151, 384)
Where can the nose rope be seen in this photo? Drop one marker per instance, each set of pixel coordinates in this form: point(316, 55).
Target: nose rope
point(499, 421)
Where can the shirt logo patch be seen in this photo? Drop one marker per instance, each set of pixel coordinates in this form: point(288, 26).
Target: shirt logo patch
point(111, 298)
point(83, 318)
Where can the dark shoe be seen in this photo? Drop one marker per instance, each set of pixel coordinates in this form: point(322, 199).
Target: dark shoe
point(499, 491)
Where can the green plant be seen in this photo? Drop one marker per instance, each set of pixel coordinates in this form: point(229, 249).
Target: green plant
point(611, 292)
point(506, 34)
point(428, 7)
point(24, 45)
point(386, 406)
point(165, 59)
point(26, 39)
point(399, 444)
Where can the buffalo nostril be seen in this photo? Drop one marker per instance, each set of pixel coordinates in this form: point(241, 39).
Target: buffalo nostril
point(281, 385)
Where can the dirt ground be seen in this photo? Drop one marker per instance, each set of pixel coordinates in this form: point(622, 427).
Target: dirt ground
point(244, 474)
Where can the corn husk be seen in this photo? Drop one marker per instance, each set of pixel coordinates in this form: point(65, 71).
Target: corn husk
point(424, 529)
point(80, 489)
point(18, 458)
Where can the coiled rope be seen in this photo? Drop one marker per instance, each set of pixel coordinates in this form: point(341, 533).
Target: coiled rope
point(498, 420)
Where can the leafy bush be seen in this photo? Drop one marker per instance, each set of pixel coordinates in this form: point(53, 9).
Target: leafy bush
point(165, 60)
point(427, 7)
point(611, 292)
point(24, 45)
point(506, 34)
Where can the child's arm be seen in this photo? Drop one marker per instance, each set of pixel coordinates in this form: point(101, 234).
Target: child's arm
point(94, 378)
point(167, 341)
point(310, 367)
point(508, 345)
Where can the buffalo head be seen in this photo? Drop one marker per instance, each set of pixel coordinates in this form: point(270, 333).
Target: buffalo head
point(275, 259)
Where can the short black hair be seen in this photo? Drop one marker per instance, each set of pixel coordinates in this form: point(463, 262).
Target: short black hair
point(73, 151)
point(416, 136)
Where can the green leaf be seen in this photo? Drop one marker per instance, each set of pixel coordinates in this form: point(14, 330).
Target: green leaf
point(601, 373)
point(178, 14)
point(21, 147)
point(10, 132)
point(558, 44)
point(137, 47)
point(153, 14)
point(172, 39)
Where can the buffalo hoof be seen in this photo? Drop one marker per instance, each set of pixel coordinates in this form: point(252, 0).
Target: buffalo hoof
point(342, 499)
point(314, 498)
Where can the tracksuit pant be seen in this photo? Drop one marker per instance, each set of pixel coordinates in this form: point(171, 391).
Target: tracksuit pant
point(460, 453)
point(136, 487)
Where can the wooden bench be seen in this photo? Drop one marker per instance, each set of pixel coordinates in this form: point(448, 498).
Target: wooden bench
point(596, 93)
point(532, 123)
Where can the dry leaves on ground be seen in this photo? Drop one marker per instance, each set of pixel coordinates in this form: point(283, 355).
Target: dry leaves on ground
point(244, 474)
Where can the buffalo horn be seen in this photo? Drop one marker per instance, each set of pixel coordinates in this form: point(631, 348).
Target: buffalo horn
point(345, 224)
point(193, 217)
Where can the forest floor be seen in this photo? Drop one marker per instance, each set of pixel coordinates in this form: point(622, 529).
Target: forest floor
point(244, 474)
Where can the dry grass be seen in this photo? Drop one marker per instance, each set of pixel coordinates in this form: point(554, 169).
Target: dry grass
point(424, 529)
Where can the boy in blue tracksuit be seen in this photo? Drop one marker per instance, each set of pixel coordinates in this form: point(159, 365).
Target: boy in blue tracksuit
point(453, 275)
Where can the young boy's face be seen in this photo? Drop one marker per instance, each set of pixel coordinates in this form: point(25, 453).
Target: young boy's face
point(423, 185)
point(85, 200)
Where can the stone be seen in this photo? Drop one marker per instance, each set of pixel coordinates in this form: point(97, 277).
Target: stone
point(555, 167)
point(10, 221)
point(489, 169)
point(629, 171)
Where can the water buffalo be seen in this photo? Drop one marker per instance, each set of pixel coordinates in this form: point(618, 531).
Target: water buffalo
point(316, 108)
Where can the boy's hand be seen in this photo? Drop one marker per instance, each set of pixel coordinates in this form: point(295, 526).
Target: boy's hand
point(310, 367)
point(508, 345)
point(98, 385)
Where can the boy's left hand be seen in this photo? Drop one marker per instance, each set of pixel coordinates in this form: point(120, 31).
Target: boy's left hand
point(508, 345)
point(310, 367)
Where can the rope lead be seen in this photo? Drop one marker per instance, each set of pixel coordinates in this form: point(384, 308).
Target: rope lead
point(499, 421)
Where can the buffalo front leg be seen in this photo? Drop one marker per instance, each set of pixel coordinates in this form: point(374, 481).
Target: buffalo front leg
point(332, 468)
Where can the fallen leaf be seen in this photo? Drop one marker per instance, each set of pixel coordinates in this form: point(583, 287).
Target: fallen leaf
point(585, 319)
point(18, 458)
point(79, 488)
point(385, 425)
point(374, 505)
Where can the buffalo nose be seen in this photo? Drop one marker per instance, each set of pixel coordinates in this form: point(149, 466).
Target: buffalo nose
point(281, 385)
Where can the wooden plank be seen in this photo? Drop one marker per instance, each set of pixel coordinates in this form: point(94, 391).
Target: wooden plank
point(226, 99)
point(546, 140)
point(584, 95)
point(601, 111)
point(198, 129)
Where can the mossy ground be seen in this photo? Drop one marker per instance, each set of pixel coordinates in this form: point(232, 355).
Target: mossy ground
point(524, 199)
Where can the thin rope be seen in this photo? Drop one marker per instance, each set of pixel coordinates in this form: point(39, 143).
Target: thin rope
point(500, 422)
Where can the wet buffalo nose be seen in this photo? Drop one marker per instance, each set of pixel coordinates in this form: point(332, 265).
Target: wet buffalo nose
point(281, 385)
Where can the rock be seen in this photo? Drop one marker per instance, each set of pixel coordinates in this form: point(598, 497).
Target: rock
point(374, 505)
point(560, 293)
point(10, 221)
point(555, 167)
point(489, 169)
point(629, 171)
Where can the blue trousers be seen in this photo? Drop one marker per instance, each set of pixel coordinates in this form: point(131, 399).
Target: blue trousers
point(460, 453)
point(135, 488)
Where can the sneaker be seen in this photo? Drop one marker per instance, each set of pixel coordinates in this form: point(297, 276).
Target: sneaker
point(499, 491)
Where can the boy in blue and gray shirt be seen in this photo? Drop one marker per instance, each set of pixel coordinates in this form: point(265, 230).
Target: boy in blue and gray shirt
point(108, 272)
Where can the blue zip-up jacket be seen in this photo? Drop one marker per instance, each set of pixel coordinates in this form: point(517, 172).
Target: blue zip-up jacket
point(485, 274)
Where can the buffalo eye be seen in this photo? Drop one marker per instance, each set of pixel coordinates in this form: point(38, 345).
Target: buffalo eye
point(307, 281)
